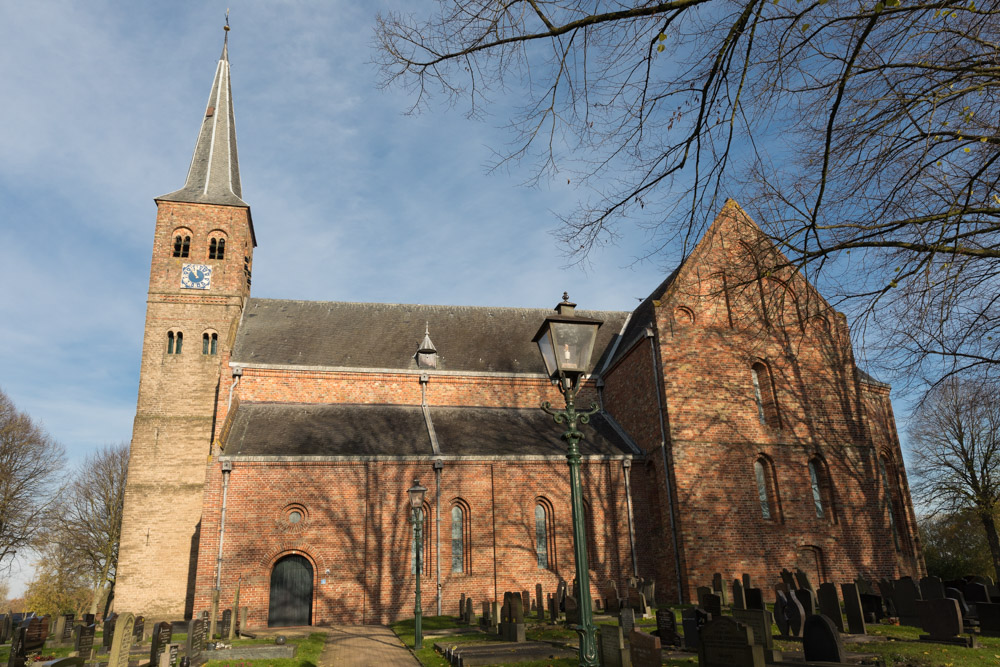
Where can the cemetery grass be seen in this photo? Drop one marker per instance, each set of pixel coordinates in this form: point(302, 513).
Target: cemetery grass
point(307, 654)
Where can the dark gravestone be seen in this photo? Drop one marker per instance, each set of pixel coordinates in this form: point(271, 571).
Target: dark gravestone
point(905, 595)
point(746, 581)
point(955, 594)
point(648, 589)
point(626, 619)
point(540, 603)
point(18, 656)
point(83, 640)
point(725, 643)
point(974, 594)
point(666, 627)
point(759, 621)
point(931, 588)
point(855, 613)
point(821, 640)
point(461, 605)
point(67, 633)
point(644, 649)
point(89, 619)
point(526, 601)
point(612, 601)
point(941, 619)
point(807, 598)
point(484, 618)
point(560, 595)
point(789, 580)
point(61, 662)
point(138, 629)
point(871, 604)
point(802, 579)
point(572, 610)
point(553, 609)
point(781, 613)
point(692, 619)
point(712, 603)
point(789, 615)
point(829, 604)
point(701, 592)
point(468, 612)
point(195, 644)
point(109, 632)
point(989, 619)
point(885, 590)
point(739, 600)
point(163, 633)
point(37, 630)
point(755, 598)
point(227, 620)
point(613, 651)
point(6, 627)
point(719, 588)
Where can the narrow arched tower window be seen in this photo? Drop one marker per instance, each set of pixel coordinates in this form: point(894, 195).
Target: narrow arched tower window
point(178, 342)
point(541, 537)
point(217, 249)
point(170, 342)
point(762, 489)
point(763, 390)
point(457, 540)
point(814, 482)
point(209, 343)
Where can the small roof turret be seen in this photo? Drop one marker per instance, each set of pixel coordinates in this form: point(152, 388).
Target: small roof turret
point(214, 174)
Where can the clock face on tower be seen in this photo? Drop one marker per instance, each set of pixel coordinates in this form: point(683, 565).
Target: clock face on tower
point(196, 276)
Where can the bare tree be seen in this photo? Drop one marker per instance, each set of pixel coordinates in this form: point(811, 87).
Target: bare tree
point(955, 441)
point(29, 461)
point(90, 517)
point(861, 134)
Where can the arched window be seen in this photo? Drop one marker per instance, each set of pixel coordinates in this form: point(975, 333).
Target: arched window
point(763, 390)
point(460, 533)
point(217, 248)
point(822, 489)
point(542, 535)
point(209, 343)
point(767, 492)
point(175, 341)
point(182, 245)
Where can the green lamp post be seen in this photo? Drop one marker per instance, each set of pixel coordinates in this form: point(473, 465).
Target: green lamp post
point(417, 492)
point(567, 343)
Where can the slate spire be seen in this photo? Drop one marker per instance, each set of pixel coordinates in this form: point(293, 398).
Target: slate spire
point(214, 174)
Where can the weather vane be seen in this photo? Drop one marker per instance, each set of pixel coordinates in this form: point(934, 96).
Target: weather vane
point(226, 27)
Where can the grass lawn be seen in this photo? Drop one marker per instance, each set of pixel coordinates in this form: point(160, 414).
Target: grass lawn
point(306, 656)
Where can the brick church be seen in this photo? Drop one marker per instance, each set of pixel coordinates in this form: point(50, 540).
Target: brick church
point(274, 440)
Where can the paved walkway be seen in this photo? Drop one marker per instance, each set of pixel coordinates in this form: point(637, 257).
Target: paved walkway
point(364, 646)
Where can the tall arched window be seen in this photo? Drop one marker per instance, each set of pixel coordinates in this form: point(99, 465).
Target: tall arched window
point(217, 248)
point(763, 389)
point(175, 341)
point(767, 491)
point(182, 245)
point(542, 536)
point(457, 539)
point(170, 342)
point(209, 343)
point(817, 496)
point(179, 342)
point(822, 489)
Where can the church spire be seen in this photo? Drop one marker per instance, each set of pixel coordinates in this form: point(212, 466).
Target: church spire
point(214, 175)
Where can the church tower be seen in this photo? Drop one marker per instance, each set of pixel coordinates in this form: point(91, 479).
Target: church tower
point(199, 281)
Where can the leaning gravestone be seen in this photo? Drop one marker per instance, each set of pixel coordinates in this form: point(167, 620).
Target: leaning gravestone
point(613, 651)
point(821, 641)
point(626, 619)
point(989, 619)
point(807, 598)
point(759, 621)
point(163, 633)
point(666, 627)
point(739, 600)
point(746, 581)
point(195, 644)
point(83, 641)
point(855, 612)
point(931, 588)
point(803, 580)
point(122, 641)
point(789, 615)
point(644, 649)
point(829, 604)
point(789, 580)
point(941, 619)
point(725, 643)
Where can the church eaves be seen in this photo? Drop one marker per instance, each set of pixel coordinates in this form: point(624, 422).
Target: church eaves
point(214, 175)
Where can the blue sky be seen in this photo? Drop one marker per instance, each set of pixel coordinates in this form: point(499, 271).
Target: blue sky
point(351, 198)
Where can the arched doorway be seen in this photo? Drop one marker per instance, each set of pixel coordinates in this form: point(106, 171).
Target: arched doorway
point(291, 592)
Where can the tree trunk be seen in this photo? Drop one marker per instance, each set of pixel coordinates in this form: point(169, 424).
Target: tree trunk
point(990, 526)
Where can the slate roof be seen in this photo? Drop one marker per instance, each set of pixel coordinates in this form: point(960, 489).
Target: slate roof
point(295, 429)
point(387, 335)
point(214, 174)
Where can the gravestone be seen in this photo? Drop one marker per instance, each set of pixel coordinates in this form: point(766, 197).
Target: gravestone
point(648, 589)
point(234, 625)
point(759, 621)
point(195, 643)
point(89, 619)
point(67, 633)
point(169, 656)
point(227, 623)
point(974, 594)
point(572, 610)
point(666, 627)
point(138, 629)
point(461, 605)
point(723, 642)
point(821, 640)
point(83, 640)
point(931, 588)
point(18, 656)
point(789, 580)
point(526, 600)
point(553, 609)
point(560, 595)
point(885, 590)
point(468, 611)
point(701, 592)
point(781, 613)
point(789, 615)
point(989, 619)
point(941, 619)
point(484, 619)
point(60, 628)
point(807, 598)
point(626, 619)
point(739, 599)
point(109, 632)
point(644, 649)
point(540, 611)
point(829, 604)
point(755, 598)
point(692, 620)
point(719, 588)
point(163, 633)
point(905, 595)
point(637, 601)
point(802, 579)
point(855, 612)
point(746, 581)
point(712, 603)
point(512, 626)
point(955, 594)
point(871, 605)
point(612, 601)
point(613, 651)
point(122, 641)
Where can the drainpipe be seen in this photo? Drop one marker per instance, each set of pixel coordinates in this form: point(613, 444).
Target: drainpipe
point(237, 374)
point(438, 465)
point(627, 469)
point(666, 471)
point(227, 467)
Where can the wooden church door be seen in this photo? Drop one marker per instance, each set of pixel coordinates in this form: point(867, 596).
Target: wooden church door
point(291, 593)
